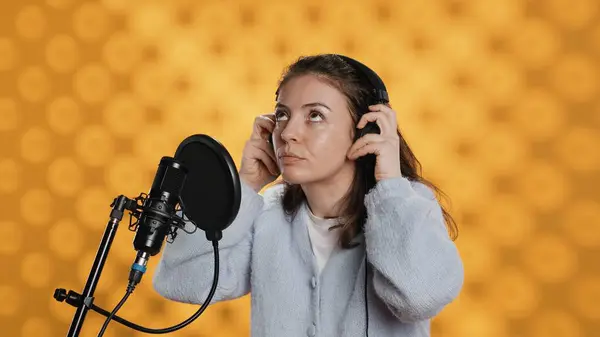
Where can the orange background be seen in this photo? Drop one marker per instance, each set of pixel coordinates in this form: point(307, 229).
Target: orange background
point(499, 99)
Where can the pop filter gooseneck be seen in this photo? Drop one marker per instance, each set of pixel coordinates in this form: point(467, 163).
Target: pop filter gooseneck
point(203, 180)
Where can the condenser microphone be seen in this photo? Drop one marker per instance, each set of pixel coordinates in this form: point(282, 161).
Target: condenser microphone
point(160, 206)
point(158, 214)
point(200, 186)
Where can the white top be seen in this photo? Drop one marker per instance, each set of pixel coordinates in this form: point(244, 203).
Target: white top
point(322, 240)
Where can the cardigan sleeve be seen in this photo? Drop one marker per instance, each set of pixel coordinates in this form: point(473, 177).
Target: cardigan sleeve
point(185, 270)
point(416, 267)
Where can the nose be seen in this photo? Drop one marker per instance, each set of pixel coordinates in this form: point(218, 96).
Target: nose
point(288, 137)
point(291, 131)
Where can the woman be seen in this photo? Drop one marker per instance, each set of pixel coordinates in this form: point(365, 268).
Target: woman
point(330, 251)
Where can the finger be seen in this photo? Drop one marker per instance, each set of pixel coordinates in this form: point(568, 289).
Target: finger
point(369, 138)
point(263, 146)
point(374, 148)
point(366, 140)
point(269, 116)
point(269, 151)
point(379, 107)
point(272, 167)
point(377, 117)
point(263, 126)
point(386, 110)
point(268, 161)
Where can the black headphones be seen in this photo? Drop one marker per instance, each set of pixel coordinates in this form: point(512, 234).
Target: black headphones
point(377, 95)
point(377, 92)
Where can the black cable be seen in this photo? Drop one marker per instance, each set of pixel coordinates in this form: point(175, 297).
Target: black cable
point(182, 324)
point(364, 229)
point(366, 262)
point(366, 297)
point(119, 305)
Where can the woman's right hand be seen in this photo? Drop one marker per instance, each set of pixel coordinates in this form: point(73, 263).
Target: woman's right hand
point(259, 163)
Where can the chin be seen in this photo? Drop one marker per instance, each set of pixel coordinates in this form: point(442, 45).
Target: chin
point(301, 175)
point(296, 177)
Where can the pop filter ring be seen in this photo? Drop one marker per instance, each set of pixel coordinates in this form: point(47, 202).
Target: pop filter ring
point(226, 162)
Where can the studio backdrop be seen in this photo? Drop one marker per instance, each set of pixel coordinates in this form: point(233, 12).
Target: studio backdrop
point(500, 101)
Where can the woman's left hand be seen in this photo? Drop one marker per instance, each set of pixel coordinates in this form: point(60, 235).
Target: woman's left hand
point(385, 146)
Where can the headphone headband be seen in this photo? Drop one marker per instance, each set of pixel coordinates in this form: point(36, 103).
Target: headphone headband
point(368, 76)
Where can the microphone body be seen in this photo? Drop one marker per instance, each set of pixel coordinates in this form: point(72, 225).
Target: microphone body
point(158, 212)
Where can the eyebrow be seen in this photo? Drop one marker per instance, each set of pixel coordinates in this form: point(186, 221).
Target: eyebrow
point(307, 105)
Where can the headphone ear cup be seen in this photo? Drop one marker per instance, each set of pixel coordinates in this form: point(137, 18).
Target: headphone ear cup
point(370, 127)
point(368, 161)
point(271, 143)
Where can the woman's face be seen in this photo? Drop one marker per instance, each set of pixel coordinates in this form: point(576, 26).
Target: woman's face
point(314, 130)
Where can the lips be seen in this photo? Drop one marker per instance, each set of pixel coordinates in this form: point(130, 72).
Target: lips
point(289, 155)
point(287, 158)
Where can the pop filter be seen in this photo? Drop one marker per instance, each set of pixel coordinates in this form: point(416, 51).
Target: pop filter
point(212, 191)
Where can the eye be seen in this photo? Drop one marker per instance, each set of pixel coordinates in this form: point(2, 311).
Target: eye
point(280, 115)
point(315, 116)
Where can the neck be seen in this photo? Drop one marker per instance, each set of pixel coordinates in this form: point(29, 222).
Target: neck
point(323, 196)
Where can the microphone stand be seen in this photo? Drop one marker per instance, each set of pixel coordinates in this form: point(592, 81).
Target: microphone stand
point(119, 205)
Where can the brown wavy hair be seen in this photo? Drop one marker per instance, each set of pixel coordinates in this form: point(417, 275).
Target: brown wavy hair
point(338, 73)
